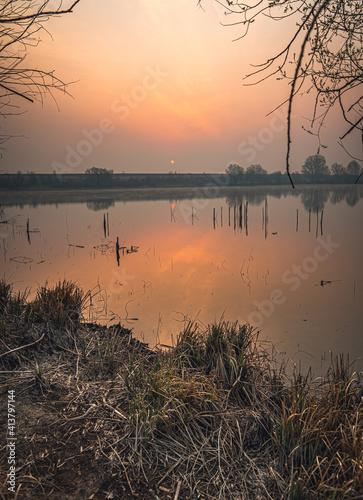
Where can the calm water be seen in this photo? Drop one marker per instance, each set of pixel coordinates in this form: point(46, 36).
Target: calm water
point(246, 255)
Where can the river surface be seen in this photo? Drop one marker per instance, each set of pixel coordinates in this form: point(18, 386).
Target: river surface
point(287, 261)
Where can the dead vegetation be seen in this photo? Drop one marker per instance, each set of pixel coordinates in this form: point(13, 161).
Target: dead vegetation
point(99, 415)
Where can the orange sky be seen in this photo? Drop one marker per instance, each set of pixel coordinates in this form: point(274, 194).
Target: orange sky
point(167, 77)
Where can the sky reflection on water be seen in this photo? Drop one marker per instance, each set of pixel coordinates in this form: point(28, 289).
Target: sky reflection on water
point(302, 289)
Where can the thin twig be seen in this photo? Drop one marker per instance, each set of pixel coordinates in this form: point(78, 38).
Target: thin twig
point(22, 347)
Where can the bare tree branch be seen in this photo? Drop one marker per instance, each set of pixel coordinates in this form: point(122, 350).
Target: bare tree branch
point(328, 40)
point(21, 21)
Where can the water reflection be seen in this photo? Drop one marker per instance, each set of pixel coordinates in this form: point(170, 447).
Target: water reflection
point(254, 198)
point(238, 216)
point(338, 196)
point(263, 256)
point(352, 198)
point(312, 197)
point(97, 205)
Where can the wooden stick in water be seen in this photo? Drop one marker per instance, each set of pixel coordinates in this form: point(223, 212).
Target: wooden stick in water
point(246, 218)
point(27, 231)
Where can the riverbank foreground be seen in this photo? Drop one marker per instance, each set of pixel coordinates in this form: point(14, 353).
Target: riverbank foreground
point(89, 412)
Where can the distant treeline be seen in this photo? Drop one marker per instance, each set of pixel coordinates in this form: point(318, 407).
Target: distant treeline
point(109, 179)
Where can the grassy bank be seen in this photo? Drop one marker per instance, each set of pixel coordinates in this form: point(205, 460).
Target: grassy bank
point(99, 415)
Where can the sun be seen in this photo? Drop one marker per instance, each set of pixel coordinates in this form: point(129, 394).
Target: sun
point(172, 162)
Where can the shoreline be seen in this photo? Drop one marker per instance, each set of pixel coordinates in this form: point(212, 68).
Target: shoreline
point(101, 415)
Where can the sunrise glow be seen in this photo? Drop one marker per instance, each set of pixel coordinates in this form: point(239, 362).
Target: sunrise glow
point(178, 89)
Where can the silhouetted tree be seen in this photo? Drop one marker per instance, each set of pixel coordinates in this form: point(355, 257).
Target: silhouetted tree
point(353, 168)
point(315, 166)
point(98, 171)
point(256, 170)
point(338, 169)
point(99, 177)
point(235, 173)
point(234, 169)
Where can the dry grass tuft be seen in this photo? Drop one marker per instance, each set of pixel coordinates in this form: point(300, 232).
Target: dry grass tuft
point(320, 434)
point(61, 304)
